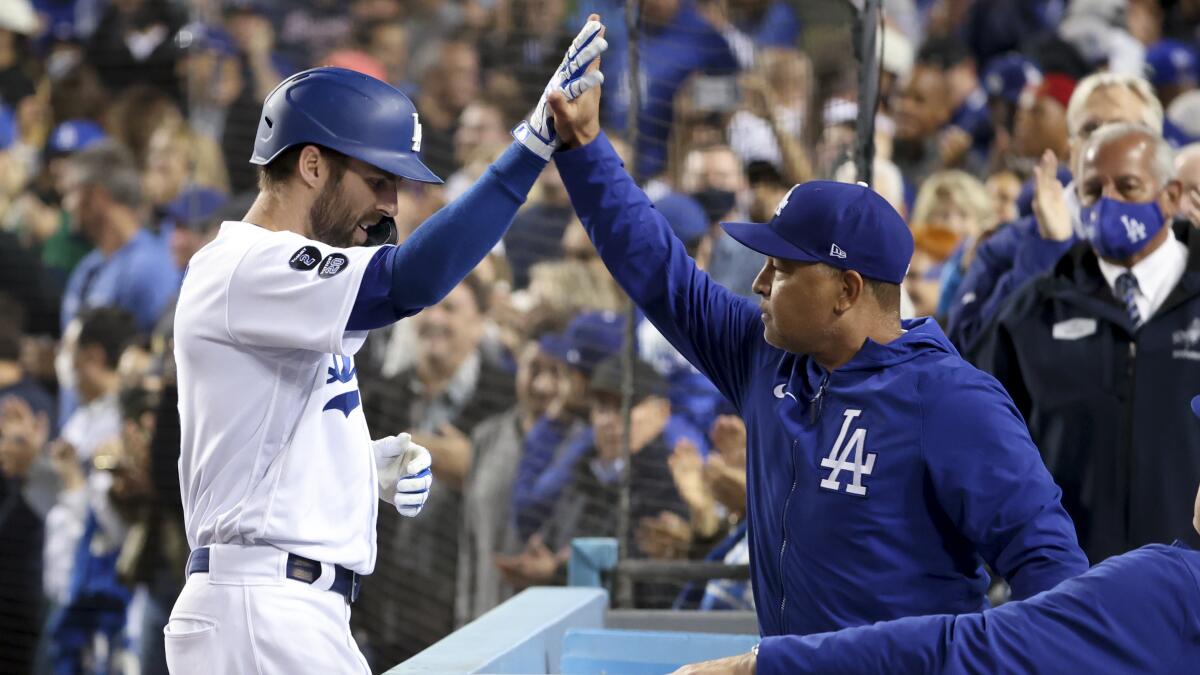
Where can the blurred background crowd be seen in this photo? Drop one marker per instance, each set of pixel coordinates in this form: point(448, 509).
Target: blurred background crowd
point(125, 133)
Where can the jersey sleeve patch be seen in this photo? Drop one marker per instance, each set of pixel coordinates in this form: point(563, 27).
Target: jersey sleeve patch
point(333, 264)
point(306, 258)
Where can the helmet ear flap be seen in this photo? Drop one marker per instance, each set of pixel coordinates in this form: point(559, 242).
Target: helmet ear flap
point(383, 232)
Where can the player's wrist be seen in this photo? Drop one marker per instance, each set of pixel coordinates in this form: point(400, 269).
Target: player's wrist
point(526, 135)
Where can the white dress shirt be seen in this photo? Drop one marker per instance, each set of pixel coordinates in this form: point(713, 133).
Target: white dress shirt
point(1157, 275)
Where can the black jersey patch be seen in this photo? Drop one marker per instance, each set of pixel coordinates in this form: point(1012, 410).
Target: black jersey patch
point(333, 264)
point(305, 259)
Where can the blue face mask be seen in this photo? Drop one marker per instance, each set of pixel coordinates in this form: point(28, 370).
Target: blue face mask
point(1118, 230)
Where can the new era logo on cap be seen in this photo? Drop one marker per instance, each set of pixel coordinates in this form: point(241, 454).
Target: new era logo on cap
point(837, 252)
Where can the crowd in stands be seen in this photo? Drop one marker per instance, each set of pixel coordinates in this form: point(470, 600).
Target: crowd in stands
point(1005, 129)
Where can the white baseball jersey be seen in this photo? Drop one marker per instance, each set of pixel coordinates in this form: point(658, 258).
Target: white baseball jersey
point(275, 448)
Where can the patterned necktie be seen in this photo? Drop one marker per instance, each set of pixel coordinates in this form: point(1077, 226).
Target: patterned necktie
point(1127, 290)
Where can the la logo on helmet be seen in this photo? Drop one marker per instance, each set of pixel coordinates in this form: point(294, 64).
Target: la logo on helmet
point(416, 146)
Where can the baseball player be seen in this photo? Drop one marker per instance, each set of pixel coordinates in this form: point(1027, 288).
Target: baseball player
point(883, 470)
point(1134, 613)
point(278, 473)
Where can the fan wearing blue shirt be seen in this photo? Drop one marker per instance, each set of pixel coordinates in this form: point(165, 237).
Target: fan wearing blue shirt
point(883, 470)
point(130, 268)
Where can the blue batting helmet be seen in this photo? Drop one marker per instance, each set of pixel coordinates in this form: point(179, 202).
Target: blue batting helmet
point(349, 112)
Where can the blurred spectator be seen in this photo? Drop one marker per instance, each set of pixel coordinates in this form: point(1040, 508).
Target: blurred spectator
point(969, 133)
point(674, 42)
point(446, 89)
point(1005, 79)
point(488, 528)
point(1173, 68)
point(448, 391)
point(714, 177)
point(135, 44)
point(17, 23)
point(176, 160)
point(1120, 306)
point(136, 114)
point(922, 107)
point(1003, 188)
point(212, 76)
point(20, 527)
point(585, 507)
point(130, 268)
point(88, 625)
point(952, 211)
point(1032, 245)
point(559, 438)
point(770, 126)
point(1041, 123)
point(481, 126)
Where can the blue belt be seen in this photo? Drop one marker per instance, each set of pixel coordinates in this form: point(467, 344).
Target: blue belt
point(345, 582)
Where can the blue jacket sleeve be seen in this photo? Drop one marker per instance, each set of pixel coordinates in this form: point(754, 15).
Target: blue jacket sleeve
point(989, 479)
point(716, 330)
point(402, 280)
point(1135, 613)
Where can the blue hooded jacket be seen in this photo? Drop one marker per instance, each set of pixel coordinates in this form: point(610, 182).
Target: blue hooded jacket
point(874, 492)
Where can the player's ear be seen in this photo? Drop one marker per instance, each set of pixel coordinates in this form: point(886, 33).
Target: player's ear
point(852, 289)
point(311, 167)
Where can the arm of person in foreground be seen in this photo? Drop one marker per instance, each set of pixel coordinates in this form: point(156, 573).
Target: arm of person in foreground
point(1135, 613)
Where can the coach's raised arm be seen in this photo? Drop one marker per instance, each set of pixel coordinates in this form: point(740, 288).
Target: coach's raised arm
point(883, 470)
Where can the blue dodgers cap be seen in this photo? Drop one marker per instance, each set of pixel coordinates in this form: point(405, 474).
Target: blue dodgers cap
point(73, 136)
point(194, 207)
point(1196, 406)
point(685, 216)
point(1171, 62)
point(1006, 76)
point(590, 338)
point(842, 225)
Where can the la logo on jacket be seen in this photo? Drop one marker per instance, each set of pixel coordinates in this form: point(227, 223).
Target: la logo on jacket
point(840, 459)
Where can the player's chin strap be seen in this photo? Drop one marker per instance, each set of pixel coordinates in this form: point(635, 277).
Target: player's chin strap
point(383, 232)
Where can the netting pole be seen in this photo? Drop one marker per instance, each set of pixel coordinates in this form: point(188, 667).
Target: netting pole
point(623, 586)
point(866, 29)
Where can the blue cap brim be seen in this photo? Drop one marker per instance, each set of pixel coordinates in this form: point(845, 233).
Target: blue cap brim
point(405, 166)
point(761, 238)
point(1196, 406)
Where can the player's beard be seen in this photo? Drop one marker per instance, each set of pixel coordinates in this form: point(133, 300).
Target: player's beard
point(332, 219)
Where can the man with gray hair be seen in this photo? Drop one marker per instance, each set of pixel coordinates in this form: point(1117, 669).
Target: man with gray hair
point(1098, 353)
point(1030, 246)
point(129, 267)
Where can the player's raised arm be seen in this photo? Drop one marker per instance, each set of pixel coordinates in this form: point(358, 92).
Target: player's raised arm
point(445, 248)
point(715, 329)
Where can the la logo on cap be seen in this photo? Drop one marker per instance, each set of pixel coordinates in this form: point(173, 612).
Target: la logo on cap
point(836, 252)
